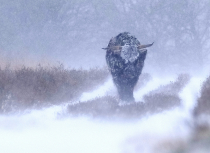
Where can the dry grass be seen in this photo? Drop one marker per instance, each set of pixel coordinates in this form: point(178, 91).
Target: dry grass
point(42, 86)
point(203, 106)
point(164, 98)
point(173, 88)
point(27, 87)
point(110, 108)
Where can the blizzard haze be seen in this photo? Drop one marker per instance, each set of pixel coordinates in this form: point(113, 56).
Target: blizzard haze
point(50, 130)
point(72, 33)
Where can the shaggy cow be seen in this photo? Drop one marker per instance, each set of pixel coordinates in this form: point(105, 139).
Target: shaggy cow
point(125, 59)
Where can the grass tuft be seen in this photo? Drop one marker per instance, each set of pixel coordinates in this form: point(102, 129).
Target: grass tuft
point(203, 105)
point(33, 87)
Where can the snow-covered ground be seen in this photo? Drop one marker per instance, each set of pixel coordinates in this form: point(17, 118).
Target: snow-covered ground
point(45, 131)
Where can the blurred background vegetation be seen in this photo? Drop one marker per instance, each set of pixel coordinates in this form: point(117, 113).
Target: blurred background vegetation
point(75, 31)
point(44, 86)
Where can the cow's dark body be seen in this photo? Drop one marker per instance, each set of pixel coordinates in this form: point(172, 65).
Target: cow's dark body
point(125, 73)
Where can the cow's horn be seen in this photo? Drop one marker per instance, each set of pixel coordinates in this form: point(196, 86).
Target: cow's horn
point(144, 46)
point(113, 48)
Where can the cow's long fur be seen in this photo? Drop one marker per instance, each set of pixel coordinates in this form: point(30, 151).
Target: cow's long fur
point(125, 70)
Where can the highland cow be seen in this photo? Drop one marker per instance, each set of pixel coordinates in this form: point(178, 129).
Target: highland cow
point(125, 58)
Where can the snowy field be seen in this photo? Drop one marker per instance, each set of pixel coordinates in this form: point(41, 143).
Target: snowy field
point(51, 54)
point(48, 130)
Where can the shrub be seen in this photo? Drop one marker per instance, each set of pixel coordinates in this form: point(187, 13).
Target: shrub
point(203, 105)
point(27, 87)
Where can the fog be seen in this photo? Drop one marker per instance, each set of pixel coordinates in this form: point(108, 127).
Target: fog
point(73, 32)
point(47, 130)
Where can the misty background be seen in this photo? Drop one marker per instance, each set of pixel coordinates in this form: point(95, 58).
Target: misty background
point(55, 109)
point(74, 31)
